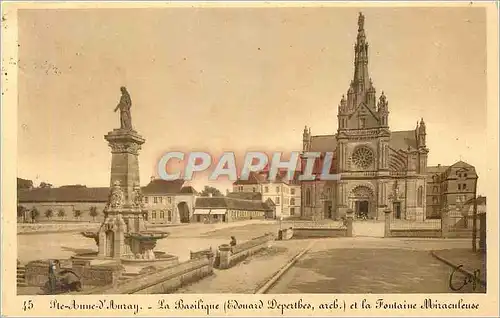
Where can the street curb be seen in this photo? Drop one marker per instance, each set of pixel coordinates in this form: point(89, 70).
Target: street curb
point(461, 269)
point(282, 271)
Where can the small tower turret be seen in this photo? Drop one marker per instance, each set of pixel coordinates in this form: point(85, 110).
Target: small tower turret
point(383, 110)
point(306, 139)
point(422, 134)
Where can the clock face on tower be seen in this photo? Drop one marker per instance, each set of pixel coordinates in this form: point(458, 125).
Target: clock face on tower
point(362, 157)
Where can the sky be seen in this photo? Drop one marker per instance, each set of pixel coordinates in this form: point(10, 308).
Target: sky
point(238, 79)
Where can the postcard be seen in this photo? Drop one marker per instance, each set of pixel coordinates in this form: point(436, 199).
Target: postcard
point(249, 159)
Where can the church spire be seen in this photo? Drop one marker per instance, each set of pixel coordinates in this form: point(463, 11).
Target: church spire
point(361, 81)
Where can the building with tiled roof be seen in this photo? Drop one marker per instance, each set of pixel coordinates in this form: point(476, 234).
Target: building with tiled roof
point(379, 168)
point(230, 209)
point(164, 201)
point(284, 192)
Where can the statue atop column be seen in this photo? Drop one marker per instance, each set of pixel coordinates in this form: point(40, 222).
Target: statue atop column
point(124, 107)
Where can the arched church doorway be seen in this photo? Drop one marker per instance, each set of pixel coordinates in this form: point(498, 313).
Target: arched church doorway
point(184, 212)
point(362, 202)
point(361, 209)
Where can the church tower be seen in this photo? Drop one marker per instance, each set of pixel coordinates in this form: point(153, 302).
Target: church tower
point(362, 138)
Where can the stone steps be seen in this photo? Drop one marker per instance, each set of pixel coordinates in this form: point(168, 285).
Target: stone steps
point(127, 276)
point(21, 271)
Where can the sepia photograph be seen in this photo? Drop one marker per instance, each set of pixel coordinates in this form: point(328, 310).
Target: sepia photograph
point(272, 149)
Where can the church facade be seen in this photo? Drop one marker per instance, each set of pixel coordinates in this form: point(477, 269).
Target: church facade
point(379, 168)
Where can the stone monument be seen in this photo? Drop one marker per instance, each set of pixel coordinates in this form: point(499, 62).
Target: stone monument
point(123, 233)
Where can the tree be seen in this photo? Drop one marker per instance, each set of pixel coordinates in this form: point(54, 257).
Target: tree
point(21, 212)
point(24, 184)
point(34, 214)
point(45, 185)
point(77, 214)
point(49, 213)
point(211, 190)
point(61, 213)
point(93, 212)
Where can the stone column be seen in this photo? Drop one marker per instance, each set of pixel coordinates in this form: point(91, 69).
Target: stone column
point(482, 232)
point(387, 226)
point(224, 256)
point(444, 222)
point(349, 216)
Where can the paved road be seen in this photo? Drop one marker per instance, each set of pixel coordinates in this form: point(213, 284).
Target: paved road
point(371, 266)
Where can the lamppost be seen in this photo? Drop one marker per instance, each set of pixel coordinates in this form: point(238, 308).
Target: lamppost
point(474, 218)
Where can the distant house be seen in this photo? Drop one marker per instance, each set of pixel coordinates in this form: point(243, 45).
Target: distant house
point(168, 202)
point(229, 209)
point(164, 202)
point(481, 205)
point(284, 193)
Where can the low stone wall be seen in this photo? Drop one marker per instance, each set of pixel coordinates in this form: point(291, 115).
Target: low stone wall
point(35, 228)
point(162, 281)
point(303, 233)
point(37, 272)
point(229, 256)
point(428, 233)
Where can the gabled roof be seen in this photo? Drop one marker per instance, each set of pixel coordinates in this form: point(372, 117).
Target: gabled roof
point(480, 201)
point(245, 195)
point(436, 169)
point(325, 143)
point(403, 139)
point(230, 203)
point(80, 193)
point(160, 186)
point(64, 194)
point(253, 178)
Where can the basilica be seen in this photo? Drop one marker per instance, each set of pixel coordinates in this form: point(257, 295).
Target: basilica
point(380, 169)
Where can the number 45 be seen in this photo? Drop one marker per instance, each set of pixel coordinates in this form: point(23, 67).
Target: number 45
point(27, 305)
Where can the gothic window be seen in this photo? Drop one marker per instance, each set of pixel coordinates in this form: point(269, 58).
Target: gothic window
point(308, 196)
point(420, 196)
point(362, 123)
point(435, 190)
point(434, 200)
point(362, 157)
point(169, 216)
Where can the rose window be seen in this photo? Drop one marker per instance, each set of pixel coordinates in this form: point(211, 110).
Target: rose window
point(362, 157)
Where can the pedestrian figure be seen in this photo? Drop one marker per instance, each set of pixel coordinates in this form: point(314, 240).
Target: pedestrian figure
point(53, 267)
point(233, 241)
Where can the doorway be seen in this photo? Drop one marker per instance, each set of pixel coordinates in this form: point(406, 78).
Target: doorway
point(184, 212)
point(397, 210)
point(361, 209)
